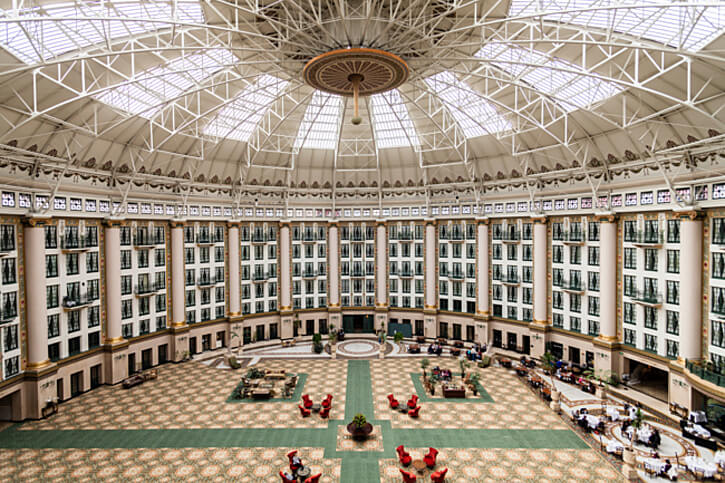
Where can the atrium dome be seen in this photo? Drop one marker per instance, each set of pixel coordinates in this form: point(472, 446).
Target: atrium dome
point(185, 96)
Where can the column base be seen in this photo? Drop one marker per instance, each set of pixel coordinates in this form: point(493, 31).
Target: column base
point(115, 360)
point(39, 384)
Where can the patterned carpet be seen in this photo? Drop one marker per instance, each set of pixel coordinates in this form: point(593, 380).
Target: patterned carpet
point(192, 395)
point(181, 427)
point(513, 406)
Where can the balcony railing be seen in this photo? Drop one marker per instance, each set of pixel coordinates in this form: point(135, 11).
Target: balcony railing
point(207, 281)
point(149, 288)
point(203, 238)
point(77, 242)
point(510, 278)
point(647, 238)
point(405, 273)
point(574, 285)
point(707, 372)
point(510, 236)
point(573, 237)
point(309, 274)
point(647, 297)
point(402, 236)
point(78, 301)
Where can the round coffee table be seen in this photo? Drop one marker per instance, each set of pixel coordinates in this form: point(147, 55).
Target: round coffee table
point(315, 408)
point(403, 409)
point(419, 465)
point(304, 473)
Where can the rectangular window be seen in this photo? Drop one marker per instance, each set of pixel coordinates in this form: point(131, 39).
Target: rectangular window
point(650, 342)
point(51, 266)
point(650, 259)
point(593, 256)
point(53, 326)
point(630, 258)
point(575, 255)
point(673, 231)
point(650, 318)
point(593, 279)
point(557, 254)
point(51, 237)
point(673, 322)
point(673, 292)
point(673, 261)
point(630, 337)
point(630, 231)
point(593, 231)
point(718, 265)
point(718, 333)
point(629, 315)
point(71, 264)
point(92, 262)
point(673, 349)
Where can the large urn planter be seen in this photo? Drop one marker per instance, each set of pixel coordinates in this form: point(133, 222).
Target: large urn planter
point(360, 432)
point(629, 469)
point(601, 392)
point(555, 404)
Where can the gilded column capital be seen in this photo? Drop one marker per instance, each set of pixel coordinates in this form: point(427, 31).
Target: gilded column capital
point(689, 214)
point(36, 220)
point(113, 221)
point(431, 221)
point(605, 217)
point(483, 221)
point(539, 219)
point(177, 223)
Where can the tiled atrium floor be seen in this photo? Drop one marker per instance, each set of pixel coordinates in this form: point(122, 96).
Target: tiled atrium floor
point(182, 427)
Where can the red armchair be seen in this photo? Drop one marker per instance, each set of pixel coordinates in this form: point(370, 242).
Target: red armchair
point(403, 456)
point(294, 465)
point(408, 477)
point(430, 458)
point(306, 401)
point(313, 478)
point(325, 412)
point(285, 479)
point(413, 401)
point(413, 413)
point(303, 411)
point(393, 402)
point(327, 402)
point(439, 476)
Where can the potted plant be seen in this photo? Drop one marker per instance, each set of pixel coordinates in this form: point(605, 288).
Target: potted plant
point(296, 323)
point(463, 364)
point(473, 380)
point(484, 362)
point(383, 338)
point(317, 343)
point(359, 428)
point(548, 362)
point(424, 365)
point(332, 338)
point(433, 381)
point(398, 338)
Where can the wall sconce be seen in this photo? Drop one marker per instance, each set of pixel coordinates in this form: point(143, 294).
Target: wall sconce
point(537, 337)
point(120, 356)
point(603, 355)
point(182, 338)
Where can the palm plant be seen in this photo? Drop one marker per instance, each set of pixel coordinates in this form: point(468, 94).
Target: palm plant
point(548, 362)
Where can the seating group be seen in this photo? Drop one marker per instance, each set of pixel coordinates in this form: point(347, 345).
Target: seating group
point(295, 465)
point(430, 461)
point(413, 408)
point(306, 406)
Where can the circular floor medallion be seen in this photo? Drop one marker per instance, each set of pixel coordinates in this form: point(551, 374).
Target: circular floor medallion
point(358, 348)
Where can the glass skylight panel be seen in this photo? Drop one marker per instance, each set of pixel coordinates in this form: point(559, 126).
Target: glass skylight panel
point(238, 119)
point(68, 27)
point(393, 126)
point(541, 73)
point(321, 122)
point(145, 94)
point(473, 114)
point(681, 24)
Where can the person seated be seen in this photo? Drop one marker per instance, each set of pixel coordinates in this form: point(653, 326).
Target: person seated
point(431, 349)
point(664, 473)
point(439, 350)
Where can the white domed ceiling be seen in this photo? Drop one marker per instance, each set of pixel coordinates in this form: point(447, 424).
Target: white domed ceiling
point(185, 95)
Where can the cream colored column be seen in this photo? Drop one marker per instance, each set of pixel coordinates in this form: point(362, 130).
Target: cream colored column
point(35, 307)
point(608, 278)
point(540, 278)
point(112, 246)
point(690, 286)
point(285, 295)
point(430, 265)
point(381, 272)
point(234, 267)
point(178, 310)
point(482, 266)
point(333, 266)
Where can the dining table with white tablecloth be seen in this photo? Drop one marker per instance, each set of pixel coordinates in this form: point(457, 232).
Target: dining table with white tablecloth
point(720, 458)
point(612, 412)
point(699, 464)
point(654, 464)
point(592, 421)
point(614, 446)
point(643, 433)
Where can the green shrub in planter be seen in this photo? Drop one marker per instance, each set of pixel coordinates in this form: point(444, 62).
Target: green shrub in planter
point(485, 362)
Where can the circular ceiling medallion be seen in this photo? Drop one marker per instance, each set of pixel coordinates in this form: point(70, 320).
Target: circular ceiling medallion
point(373, 70)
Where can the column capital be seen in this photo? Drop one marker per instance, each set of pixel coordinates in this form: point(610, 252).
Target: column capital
point(689, 214)
point(381, 223)
point(178, 223)
point(605, 217)
point(431, 221)
point(287, 223)
point(234, 223)
point(114, 221)
point(539, 219)
point(36, 220)
point(334, 223)
point(483, 221)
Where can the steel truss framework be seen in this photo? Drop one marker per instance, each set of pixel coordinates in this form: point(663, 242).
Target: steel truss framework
point(666, 93)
